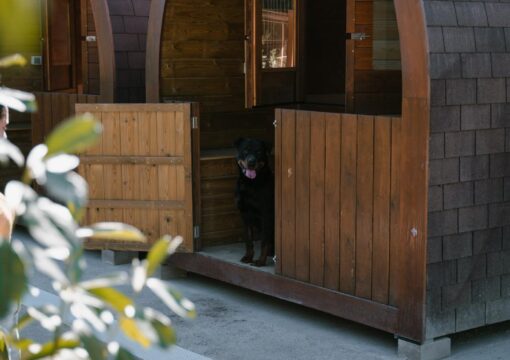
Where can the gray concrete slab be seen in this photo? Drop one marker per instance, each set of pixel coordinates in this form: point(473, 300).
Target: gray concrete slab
point(234, 324)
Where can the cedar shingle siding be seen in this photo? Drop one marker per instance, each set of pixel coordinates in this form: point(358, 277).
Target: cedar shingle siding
point(468, 281)
point(129, 19)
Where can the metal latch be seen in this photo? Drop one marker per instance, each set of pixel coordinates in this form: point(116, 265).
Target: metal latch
point(358, 36)
point(194, 122)
point(275, 123)
point(196, 232)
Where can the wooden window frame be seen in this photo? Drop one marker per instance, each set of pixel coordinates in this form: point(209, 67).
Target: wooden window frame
point(253, 50)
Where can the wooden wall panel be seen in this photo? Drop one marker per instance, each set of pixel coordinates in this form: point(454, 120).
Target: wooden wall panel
point(337, 201)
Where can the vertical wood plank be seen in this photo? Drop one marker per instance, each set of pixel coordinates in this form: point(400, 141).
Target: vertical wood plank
point(47, 113)
point(395, 208)
point(183, 132)
point(303, 195)
point(288, 193)
point(112, 130)
point(279, 191)
point(182, 124)
point(113, 181)
point(147, 146)
point(165, 132)
point(128, 134)
point(382, 191)
point(96, 181)
point(317, 168)
point(348, 204)
point(332, 202)
point(364, 209)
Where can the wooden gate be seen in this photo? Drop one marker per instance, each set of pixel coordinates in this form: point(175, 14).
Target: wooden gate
point(338, 201)
point(141, 171)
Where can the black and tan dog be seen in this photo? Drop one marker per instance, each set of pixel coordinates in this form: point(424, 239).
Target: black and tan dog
point(255, 196)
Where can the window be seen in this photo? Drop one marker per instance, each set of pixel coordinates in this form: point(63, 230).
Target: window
point(278, 34)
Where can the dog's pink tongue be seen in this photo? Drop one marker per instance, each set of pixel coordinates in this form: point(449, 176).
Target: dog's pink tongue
point(250, 174)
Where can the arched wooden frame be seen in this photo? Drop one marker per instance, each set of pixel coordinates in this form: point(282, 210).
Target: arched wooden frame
point(104, 36)
point(414, 149)
point(412, 251)
point(152, 51)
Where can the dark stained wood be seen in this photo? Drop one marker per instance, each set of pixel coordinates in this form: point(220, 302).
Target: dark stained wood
point(152, 52)
point(278, 190)
point(413, 167)
point(53, 109)
point(364, 208)
point(196, 173)
point(380, 316)
point(303, 210)
point(288, 194)
point(348, 204)
point(381, 220)
point(317, 182)
point(332, 201)
point(394, 210)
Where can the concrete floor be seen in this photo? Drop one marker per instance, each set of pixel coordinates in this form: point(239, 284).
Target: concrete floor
point(238, 324)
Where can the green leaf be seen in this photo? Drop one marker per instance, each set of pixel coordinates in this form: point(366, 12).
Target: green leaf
point(111, 231)
point(159, 252)
point(13, 60)
point(18, 100)
point(50, 349)
point(68, 188)
point(96, 349)
point(161, 325)
point(4, 350)
point(13, 280)
point(132, 330)
point(113, 297)
point(172, 298)
point(73, 135)
point(123, 354)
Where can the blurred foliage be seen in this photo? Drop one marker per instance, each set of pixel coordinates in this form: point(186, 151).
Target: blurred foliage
point(95, 309)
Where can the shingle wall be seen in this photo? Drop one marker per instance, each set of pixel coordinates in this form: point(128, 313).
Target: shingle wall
point(468, 282)
point(129, 20)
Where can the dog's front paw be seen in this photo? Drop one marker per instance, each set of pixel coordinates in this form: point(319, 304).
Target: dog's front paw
point(260, 262)
point(247, 259)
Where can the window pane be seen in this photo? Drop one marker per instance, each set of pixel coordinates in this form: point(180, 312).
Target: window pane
point(278, 33)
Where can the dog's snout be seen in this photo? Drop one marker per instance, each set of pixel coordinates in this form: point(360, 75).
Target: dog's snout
point(251, 160)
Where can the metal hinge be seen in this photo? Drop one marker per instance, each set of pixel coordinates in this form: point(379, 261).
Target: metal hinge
point(275, 123)
point(358, 36)
point(196, 232)
point(194, 122)
point(244, 68)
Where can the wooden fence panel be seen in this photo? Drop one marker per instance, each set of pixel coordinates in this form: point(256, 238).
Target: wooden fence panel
point(53, 108)
point(140, 173)
point(337, 201)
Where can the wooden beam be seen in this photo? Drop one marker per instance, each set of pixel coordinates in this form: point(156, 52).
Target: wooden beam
point(106, 50)
point(412, 245)
point(367, 312)
point(156, 16)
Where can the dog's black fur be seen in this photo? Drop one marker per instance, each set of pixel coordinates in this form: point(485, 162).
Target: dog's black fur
point(255, 196)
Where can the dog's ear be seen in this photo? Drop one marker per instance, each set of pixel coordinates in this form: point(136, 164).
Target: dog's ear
point(238, 142)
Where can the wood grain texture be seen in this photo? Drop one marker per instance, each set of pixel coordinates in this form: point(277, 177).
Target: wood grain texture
point(303, 210)
point(143, 173)
point(317, 182)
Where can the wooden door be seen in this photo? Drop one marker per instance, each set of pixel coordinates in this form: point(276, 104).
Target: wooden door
point(373, 75)
point(143, 172)
point(61, 40)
